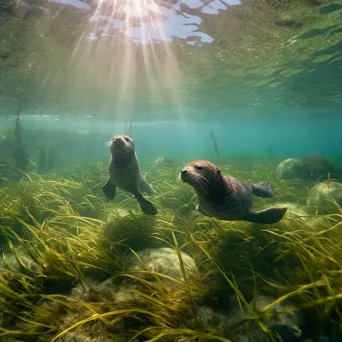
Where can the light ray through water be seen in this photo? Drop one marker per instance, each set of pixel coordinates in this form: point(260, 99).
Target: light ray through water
point(140, 63)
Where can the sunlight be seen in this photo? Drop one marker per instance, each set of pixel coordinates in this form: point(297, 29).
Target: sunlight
point(130, 40)
point(139, 58)
point(137, 8)
point(123, 56)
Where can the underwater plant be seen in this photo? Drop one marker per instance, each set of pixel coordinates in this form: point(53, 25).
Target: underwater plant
point(46, 157)
point(20, 156)
point(79, 268)
point(213, 138)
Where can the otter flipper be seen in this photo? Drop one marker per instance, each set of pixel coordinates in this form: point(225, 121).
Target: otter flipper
point(109, 189)
point(146, 206)
point(266, 216)
point(144, 186)
point(262, 190)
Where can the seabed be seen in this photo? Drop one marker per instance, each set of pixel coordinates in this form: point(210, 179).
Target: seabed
point(77, 267)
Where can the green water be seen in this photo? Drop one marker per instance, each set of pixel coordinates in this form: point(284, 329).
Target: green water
point(252, 86)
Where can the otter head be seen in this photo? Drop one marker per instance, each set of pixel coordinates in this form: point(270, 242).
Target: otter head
point(121, 145)
point(200, 174)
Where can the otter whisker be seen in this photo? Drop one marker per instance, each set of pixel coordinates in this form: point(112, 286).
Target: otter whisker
point(202, 181)
point(109, 144)
point(192, 180)
point(197, 181)
point(202, 178)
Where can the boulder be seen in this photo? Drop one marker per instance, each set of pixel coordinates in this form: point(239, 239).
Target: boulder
point(280, 319)
point(313, 167)
point(318, 167)
point(161, 260)
point(322, 196)
point(293, 210)
point(291, 169)
point(21, 262)
point(163, 162)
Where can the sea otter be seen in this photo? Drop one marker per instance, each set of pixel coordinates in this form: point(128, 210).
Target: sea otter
point(226, 198)
point(125, 173)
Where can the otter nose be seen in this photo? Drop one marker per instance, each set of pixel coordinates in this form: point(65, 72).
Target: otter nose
point(118, 141)
point(183, 172)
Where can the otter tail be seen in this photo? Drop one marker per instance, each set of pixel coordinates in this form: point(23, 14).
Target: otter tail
point(146, 206)
point(262, 190)
point(267, 216)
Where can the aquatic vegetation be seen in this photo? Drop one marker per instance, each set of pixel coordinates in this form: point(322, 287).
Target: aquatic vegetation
point(20, 155)
point(78, 267)
point(46, 157)
point(214, 141)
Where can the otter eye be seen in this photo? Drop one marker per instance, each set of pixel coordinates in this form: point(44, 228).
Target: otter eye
point(198, 167)
point(127, 139)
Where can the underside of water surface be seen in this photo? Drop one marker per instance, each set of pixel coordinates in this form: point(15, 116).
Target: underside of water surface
point(251, 86)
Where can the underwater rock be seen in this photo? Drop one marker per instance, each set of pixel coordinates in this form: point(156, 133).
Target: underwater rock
point(283, 318)
point(280, 319)
point(317, 167)
point(116, 214)
point(321, 197)
point(313, 167)
point(123, 292)
point(82, 337)
point(117, 292)
point(162, 161)
point(318, 223)
point(82, 290)
point(290, 169)
point(20, 263)
point(93, 335)
point(108, 291)
point(317, 160)
point(321, 338)
point(210, 319)
point(161, 260)
point(294, 210)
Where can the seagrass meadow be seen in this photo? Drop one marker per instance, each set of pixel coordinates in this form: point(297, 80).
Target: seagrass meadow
point(77, 267)
point(253, 86)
